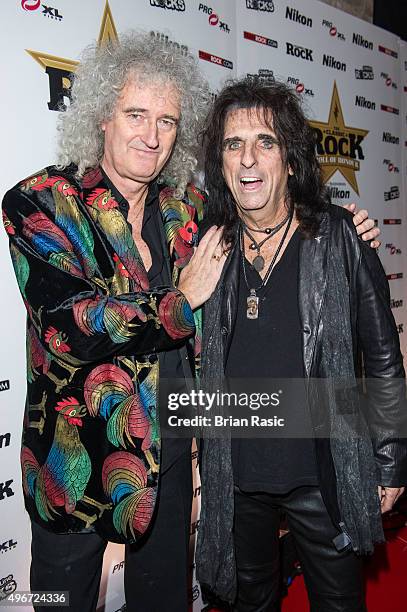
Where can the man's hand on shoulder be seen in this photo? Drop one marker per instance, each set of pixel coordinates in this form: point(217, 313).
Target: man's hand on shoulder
point(365, 226)
point(388, 497)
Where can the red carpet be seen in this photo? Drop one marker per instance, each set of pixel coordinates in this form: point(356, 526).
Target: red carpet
point(386, 579)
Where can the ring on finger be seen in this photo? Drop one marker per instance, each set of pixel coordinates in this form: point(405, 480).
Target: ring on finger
point(215, 256)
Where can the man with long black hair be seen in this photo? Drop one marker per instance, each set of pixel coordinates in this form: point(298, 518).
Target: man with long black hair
point(301, 297)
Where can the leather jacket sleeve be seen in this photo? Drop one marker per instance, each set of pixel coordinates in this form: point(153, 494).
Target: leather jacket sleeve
point(383, 369)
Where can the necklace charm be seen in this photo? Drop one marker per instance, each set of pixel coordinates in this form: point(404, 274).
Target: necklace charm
point(252, 305)
point(258, 263)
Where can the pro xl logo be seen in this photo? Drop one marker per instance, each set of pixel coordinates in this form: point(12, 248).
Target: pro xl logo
point(339, 147)
point(365, 73)
point(214, 59)
point(213, 18)
point(300, 87)
point(300, 52)
point(393, 249)
point(390, 166)
point(264, 76)
point(7, 546)
point(258, 38)
point(388, 80)
point(392, 194)
point(7, 586)
point(47, 11)
point(261, 5)
point(333, 30)
point(400, 328)
point(172, 5)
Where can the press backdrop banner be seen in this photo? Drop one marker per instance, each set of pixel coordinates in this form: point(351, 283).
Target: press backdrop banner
point(351, 77)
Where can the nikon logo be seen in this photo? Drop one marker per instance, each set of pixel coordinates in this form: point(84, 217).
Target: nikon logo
point(294, 15)
point(363, 103)
point(358, 40)
point(387, 137)
point(331, 62)
point(336, 193)
point(396, 303)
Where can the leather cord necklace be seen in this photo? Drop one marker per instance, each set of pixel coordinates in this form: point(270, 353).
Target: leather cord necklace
point(258, 261)
point(252, 300)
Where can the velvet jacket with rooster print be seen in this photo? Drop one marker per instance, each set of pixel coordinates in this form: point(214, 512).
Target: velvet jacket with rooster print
point(91, 442)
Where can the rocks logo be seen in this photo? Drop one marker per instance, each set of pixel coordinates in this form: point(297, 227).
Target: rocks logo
point(396, 303)
point(172, 5)
point(392, 194)
point(263, 40)
point(209, 57)
point(213, 18)
point(300, 87)
point(7, 586)
point(260, 5)
point(388, 51)
point(5, 439)
point(393, 249)
point(264, 76)
point(4, 385)
point(390, 166)
point(388, 80)
point(389, 109)
point(294, 15)
point(365, 73)
point(333, 30)
point(362, 102)
point(7, 546)
point(300, 52)
point(387, 137)
point(357, 39)
point(330, 62)
point(339, 147)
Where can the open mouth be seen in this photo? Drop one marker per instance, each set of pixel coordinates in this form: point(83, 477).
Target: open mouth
point(250, 183)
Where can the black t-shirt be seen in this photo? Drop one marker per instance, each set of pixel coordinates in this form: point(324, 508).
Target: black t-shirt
point(271, 347)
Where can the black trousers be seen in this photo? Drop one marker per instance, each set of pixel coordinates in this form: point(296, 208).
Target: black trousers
point(156, 569)
point(333, 579)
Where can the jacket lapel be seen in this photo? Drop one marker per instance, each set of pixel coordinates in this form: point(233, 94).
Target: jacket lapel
point(313, 268)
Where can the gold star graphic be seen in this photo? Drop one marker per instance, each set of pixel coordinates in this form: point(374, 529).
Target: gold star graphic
point(339, 147)
point(107, 33)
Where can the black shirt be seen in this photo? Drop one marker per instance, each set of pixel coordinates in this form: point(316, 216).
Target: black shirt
point(159, 274)
point(271, 347)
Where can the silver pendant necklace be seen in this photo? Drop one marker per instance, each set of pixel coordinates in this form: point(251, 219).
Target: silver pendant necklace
point(252, 300)
point(258, 261)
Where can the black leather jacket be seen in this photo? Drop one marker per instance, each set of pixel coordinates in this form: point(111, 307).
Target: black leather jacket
point(374, 337)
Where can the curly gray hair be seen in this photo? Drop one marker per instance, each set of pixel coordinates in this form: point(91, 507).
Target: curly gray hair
point(98, 81)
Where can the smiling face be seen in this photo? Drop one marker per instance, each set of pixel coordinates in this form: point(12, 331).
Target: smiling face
point(253, 167)
point(140, 136)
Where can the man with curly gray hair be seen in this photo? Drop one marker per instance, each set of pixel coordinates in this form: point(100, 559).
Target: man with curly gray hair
point(104, 250)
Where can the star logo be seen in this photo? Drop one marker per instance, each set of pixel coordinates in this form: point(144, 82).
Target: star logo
point(60, 69)
point(339, 147)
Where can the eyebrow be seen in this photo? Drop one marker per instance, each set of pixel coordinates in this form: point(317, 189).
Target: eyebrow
point(133, 109)
point(260, 136)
